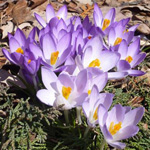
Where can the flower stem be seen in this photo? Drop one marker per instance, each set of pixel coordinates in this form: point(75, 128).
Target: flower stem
point(86, 131)
point(66, 117)
point(78, 110)
point(102, 144)
point(35, 82)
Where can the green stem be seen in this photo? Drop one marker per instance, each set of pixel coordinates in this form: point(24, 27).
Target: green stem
point(78, 110)
point(102, 144)
point(86, 131)
point(66, 116)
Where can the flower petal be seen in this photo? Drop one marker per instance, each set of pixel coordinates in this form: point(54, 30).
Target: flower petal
point(48, 77)
point(46, 96)
point(50, 13)
point(40, 20)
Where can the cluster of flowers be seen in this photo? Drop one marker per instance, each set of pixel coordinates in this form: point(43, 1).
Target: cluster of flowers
point(76, 59)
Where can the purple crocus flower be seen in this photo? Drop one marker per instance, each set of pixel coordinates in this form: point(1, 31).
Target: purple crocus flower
point(131, 56)
point(50, 14)
point(117, 34)
point(64, 90)
point(119, 123)
point(91, 104)
point(94, 57)
point(103, 23)
point(55, 54)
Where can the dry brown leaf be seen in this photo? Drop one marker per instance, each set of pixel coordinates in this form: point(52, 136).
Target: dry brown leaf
point(143, 28)
point(9, 27)
point(87, 10)
point(2, 61)
point(136, 101)
point(21, 13)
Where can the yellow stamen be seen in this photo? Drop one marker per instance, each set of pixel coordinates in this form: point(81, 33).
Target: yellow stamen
point(95, 116)
point(89, 92)
point(58, 17)
point(29, 61)
point(54, 57)
point(125, 31)
point(20, 50)
point(89, 37)
point(113, 129)
point(129, 59)
point(106, 23)
point(95, 63)
point(118, 41)
point(66, 91)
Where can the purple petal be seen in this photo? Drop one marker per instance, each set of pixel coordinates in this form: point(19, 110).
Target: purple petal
point(48, 77)
point(63, 56)
point(14, 45)
point(20, 37)
point(79, 100)
point(40, 20)
point(101, 81)
point(117, 75)
point(106, 99)
point(32, 34)
point(62, 13)
point(64, 43)
point(123, 49)
point(135, 73)
point(87, 56)
point(134, 48)
point(111, 15)
point(138, 59)
point(123, 65)
point(81, 80)
point(46, 96)
point(93, 96)
point(106, 133)
point(105, 58)
point(85, 107)
point(66, 80)
point(98, 16)
point(8, 56)
point(36, 51)
point(48, 46)
point(102, 116)
point(133, 117)
point(50, 13)
point(117, 145)
point(125, 133)
point(116, 114)
point(111, 36)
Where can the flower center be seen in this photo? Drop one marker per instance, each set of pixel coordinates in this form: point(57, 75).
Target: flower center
point(20, 50)
point(29, 61)
point(95, 116)
point(89, 37)
point(106, 23)
point(54, 57)
point(117, 41)
point(95, 63)
point(89, 92)
point(113, 129)
point(66, 91)
point(129, 59)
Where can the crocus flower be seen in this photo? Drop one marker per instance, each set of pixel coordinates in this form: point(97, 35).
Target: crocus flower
point(119, 123)
point(90, 105)
point(103, 23)
point(131, 56)
point(56, 53)
point(50, 14)
point(64, 90)
point(117, 34)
